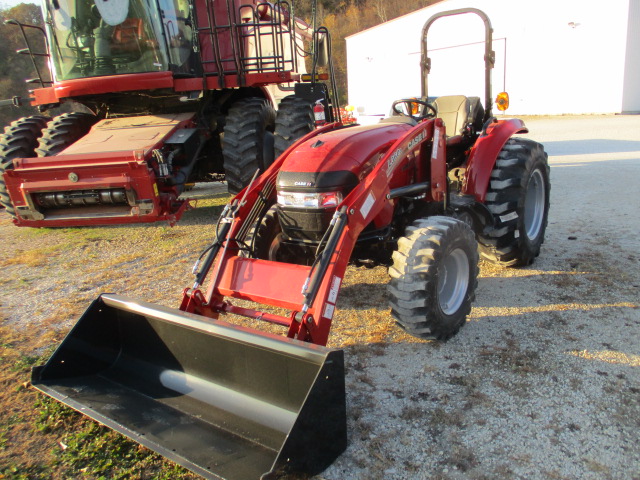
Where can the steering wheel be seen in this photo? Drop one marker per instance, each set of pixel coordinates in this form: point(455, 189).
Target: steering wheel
point(428, 110)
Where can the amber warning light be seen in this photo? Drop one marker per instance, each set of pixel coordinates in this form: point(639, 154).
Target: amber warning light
point(502, 101)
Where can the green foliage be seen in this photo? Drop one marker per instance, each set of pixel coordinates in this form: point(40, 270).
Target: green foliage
point(342, 17)
point(90, 450)
point(54, 416)
point(348, 17)
point(15, 68)
point(19, 472)
point(24, 363)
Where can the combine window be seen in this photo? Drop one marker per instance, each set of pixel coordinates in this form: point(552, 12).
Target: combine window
point(108, 37)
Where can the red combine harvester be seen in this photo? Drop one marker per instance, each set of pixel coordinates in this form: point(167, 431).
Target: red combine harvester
point(174, 92)
point(420, 190)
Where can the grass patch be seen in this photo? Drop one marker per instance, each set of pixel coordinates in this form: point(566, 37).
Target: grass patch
point(41, 438)
point(86, 449)
point(24, 363)
point(512, 358)
point(36, 257)
point(439, 419)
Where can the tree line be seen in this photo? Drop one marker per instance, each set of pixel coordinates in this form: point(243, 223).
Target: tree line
point(341, 17)
point(16, 68)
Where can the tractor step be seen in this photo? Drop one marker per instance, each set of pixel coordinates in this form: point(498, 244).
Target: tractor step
point(223, 401)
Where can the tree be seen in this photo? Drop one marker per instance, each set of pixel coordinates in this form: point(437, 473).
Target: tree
point(341, 17)
point(352, 16)
point(15, 68)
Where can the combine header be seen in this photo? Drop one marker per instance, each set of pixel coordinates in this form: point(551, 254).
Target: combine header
point(421, 190)
point(170, 93)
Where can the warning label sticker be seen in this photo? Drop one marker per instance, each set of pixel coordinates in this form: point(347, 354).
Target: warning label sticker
point(335, 288)
point(366, 206)
point(328, 311)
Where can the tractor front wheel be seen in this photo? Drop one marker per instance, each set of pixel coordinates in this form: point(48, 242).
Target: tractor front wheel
point(434, 277)
point(19, 140)
point(268, 242)
point(518, 198)
point(63, 131)
point(247, 144)
point(294, 120)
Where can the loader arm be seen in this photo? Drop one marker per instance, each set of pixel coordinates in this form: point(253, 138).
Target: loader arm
point(312, 291)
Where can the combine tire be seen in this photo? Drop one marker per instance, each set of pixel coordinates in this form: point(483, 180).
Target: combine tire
point(434, 277)
point(294, 120)
point(518, 198)
point(19, 140)
point(247, 144)
point(63, 131)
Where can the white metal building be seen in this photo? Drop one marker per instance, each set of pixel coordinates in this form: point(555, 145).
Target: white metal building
point(552, 56)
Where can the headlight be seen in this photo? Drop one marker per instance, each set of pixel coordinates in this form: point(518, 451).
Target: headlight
point(309, 200)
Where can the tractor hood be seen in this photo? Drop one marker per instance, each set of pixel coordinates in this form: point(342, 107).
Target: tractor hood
point(338, 158)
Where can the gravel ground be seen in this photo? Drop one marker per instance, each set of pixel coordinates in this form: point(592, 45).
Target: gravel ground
point(542, 383)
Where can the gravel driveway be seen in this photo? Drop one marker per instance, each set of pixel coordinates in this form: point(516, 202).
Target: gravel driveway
point(542, 383)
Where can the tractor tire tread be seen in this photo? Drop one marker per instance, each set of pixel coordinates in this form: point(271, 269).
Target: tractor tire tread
point(294, 120)
point(248, 122)
point(63, 131)
point(19, 140)
point(414, 276)
point(506, 243)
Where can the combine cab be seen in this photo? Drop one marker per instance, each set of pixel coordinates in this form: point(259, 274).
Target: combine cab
point(173, 93)
point(233, 402)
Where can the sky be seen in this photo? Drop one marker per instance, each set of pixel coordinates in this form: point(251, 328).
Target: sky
point(13, 3)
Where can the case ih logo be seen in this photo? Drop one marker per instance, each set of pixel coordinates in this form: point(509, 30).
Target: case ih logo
point(303, 184)
point(394, 158)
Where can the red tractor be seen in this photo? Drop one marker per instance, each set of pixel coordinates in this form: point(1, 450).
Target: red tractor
point(421, 191)
point(171, 92)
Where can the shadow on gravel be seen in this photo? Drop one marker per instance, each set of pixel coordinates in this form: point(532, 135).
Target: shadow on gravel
point(364, 296)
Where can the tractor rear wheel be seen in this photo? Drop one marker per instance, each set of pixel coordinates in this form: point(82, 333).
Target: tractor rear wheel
point(247, 144)
point(434, 277)
point(19, 140)
point(518, 198)
point(63, 131)
point(294, 120)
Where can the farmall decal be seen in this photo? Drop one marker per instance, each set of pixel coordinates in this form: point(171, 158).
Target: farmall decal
point(398, 153)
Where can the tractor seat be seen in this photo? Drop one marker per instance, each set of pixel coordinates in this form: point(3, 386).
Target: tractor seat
point(462, 117)
point(128, 37)
point(454, 111)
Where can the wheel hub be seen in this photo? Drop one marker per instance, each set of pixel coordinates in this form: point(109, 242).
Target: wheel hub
point(453, 281)
point(534, 205)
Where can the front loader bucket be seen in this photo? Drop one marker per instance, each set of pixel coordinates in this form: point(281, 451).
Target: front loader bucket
point(223, 401)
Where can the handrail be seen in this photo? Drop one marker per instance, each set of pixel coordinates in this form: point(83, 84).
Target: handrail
point(29, 51)
point(489, 54)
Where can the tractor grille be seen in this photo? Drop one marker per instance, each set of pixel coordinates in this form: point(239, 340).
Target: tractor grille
point(305, 224)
